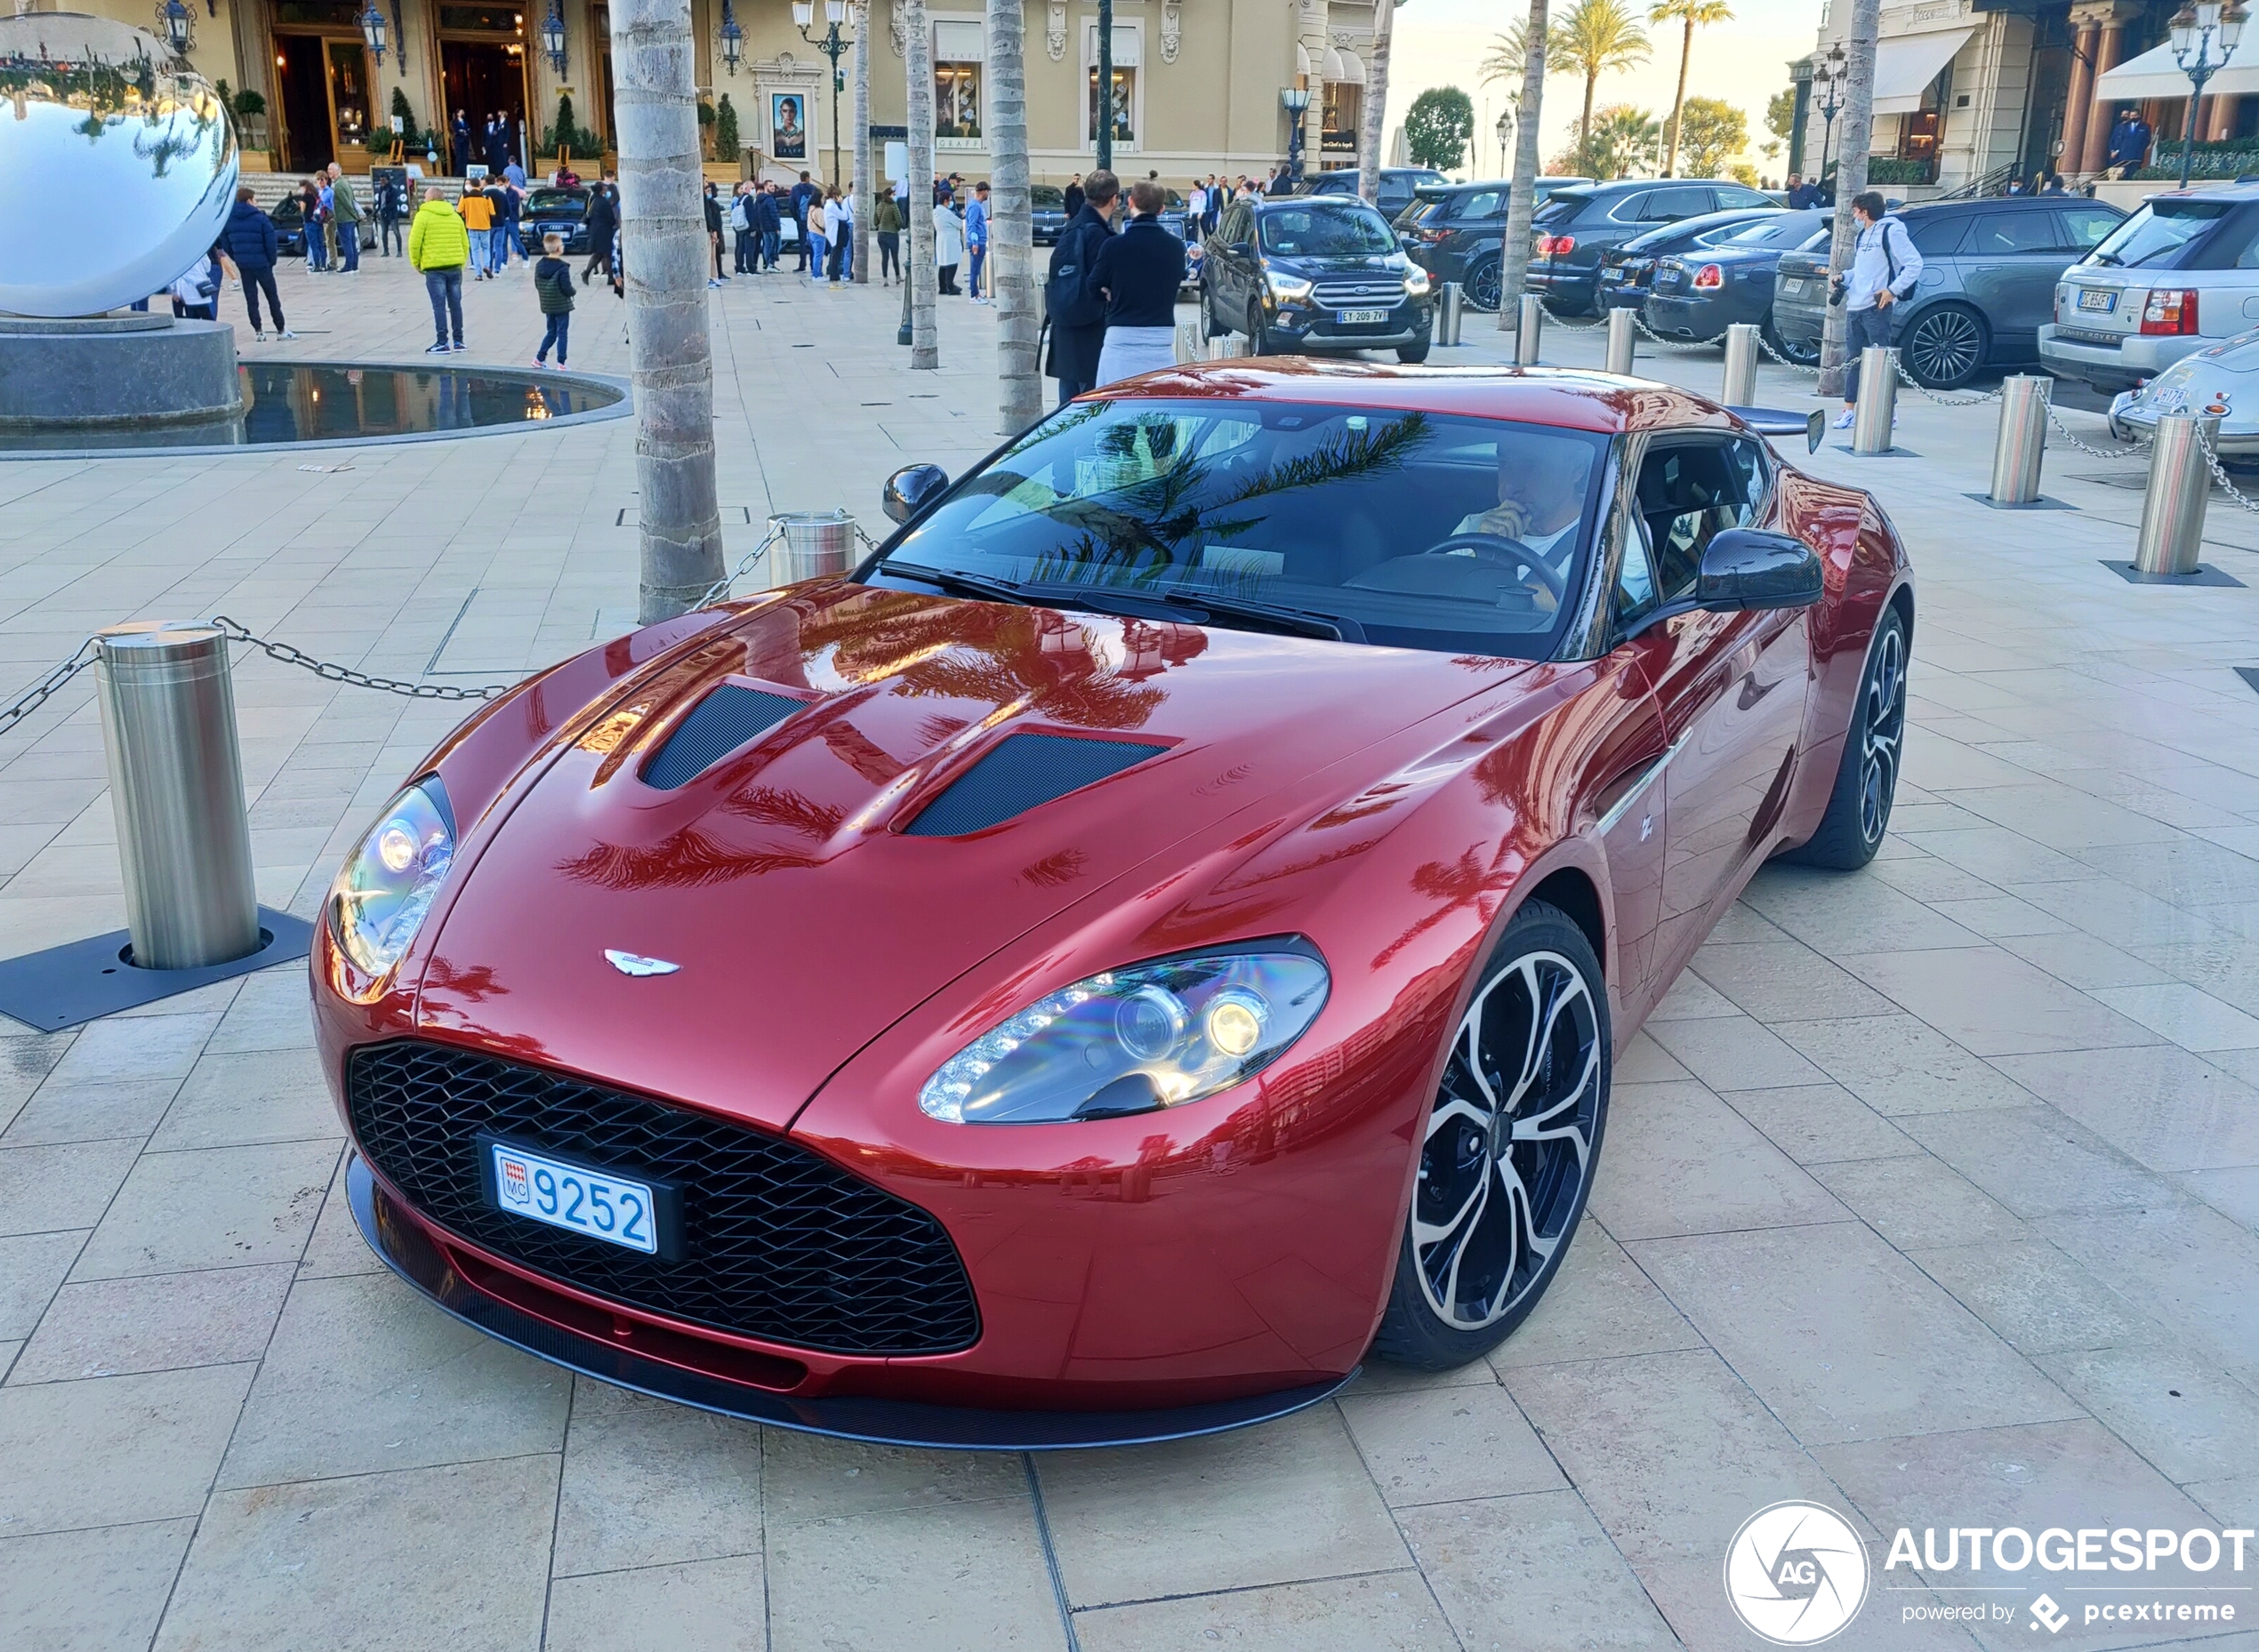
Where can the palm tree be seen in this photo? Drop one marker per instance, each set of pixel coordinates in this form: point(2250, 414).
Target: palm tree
point(918, 203)
point(866, 196)
point(1374, 111)
point(663, 221)
point(1623, 140)
point(1693, 13)
point(1011, 231)
point(1521, 198)
point(1509, 54)
point(1597, 36)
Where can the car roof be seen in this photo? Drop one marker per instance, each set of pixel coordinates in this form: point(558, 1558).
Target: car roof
point(1332, 201)
point(1566, 397)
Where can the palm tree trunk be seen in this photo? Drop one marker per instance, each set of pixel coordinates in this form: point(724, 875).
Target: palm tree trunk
point(663, 226)
point(1678, 105)
point(918, 206)
point(1375, 112)
point(1521, 200)
point(1011, 232)
point(866, 192)
point(1858, 121)
point(1584, 120)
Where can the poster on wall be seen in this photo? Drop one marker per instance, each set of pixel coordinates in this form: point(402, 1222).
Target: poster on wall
point(787, 131)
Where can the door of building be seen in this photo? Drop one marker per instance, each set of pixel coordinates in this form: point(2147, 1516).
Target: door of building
point(600, 22)
point(482, 64)
point(302, 86)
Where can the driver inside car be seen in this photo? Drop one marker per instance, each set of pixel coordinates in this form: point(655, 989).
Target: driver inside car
point(1541, 494)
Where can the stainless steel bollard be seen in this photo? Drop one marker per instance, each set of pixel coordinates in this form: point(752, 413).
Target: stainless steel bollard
point(1449, 314)
point(1226, 348)
point(1877, 400)
point(176, 785)
point(2180, 487)
point(1188, 343)
point(1623, 334)
point(1529, 338)
point(1740, 366)
point(816, 541)
point(2022, 438)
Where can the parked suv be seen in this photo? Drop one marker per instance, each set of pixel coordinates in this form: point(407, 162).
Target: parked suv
point(2182, 273)
point(1398, 185)
point(1989, 274)
point(1454, 233)
point(1318, 272)
point(1626, 269)
point(1575, 226)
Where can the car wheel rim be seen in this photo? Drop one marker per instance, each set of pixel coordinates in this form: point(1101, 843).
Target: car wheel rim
point(1945, 347)
point(1882, 729)
point(1508, 1147)
point(1483, 287)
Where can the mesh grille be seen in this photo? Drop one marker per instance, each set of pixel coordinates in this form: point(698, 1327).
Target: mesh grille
point(776, 1243)
point(1022, 772)
point(716, 725)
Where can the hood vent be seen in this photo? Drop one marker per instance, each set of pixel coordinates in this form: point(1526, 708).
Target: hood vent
point(1021, 772)
point(720, 723)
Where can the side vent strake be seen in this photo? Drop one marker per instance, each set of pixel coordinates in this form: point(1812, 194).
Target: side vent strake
point(1022, 772)
point(720, 723)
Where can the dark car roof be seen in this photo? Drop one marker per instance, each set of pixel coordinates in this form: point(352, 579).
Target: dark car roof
point(1330, 201)
point(1700, 221)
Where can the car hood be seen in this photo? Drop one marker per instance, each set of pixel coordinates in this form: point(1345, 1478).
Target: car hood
point(1317, 269)
point(803, 917)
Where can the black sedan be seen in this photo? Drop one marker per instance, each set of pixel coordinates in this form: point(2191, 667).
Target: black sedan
point(1576, 226)
point(1626, 270)
point(554, 212)
point(1700, 293)
point(1047, 213)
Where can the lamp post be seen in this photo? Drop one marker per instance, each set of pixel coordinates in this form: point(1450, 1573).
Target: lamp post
point(1295, 100)
point(2194, 27)
point(733, 39)
point(553, 37)
point(1831, 102)
point(832, 45)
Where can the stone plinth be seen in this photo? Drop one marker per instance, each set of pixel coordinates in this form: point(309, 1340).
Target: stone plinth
point(116, 370)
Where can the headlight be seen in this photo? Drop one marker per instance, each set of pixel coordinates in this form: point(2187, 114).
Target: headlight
point(1135, 1039)
point(382, 893)
point(1415, 282)
point(1288, 289)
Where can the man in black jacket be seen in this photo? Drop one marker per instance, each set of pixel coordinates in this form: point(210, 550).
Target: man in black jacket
point(1078, 312)
point(248, 238)
point(603, 223)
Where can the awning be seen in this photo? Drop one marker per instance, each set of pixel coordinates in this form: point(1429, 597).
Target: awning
point(1906, 64)
point(2155, 75)
point(1344, 67)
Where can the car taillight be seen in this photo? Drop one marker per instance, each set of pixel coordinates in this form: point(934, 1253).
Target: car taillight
point(2170, 310)
point(1431, 236)
point(1556, 246)
point(1709, 276)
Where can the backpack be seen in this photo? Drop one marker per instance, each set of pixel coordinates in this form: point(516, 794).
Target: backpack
point(1067, 298)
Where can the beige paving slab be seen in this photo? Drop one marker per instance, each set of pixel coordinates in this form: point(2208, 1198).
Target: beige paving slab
point(2036, 1162)
point(1786, 980)
point(1447, 1445)
point(67, 1185)
point(1819, 1124)
point(650, 1483)
point(116, 1449)
point(1384, 1612)
point(259, 1095)
point(157, 1323)
point(1898, 1066)
point(1536, 1572)
point(807, 1477)
point(89, 1590)
point(1677, 1160)
point(2037, 1299)
point(2172, 1404)
point(1734, 1052)
point(215, 1207)
point(91, 1112)
point(2164, 1107)
point(1917, 1201)
point(337, 1245)
point(1599, 1306)
point(705, 1606)
point(31, 1266)
point(1992, 1003)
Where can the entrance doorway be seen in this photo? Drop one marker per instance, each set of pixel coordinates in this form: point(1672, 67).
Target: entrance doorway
point(484, 77)
point(302, 78)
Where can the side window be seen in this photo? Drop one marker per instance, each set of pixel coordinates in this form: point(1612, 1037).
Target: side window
point(1669, 206)
point(1732, 194)
point(1937, 237)
point(1632, 209)
point(1481, 204)
point(1689, 491)
point(1997, 235)
point(2085, 227)
point(1635, 595)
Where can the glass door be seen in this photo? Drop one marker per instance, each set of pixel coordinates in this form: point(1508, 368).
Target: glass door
point(349, 102)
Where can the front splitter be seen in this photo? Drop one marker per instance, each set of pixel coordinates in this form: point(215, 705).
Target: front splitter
point(400, 1245)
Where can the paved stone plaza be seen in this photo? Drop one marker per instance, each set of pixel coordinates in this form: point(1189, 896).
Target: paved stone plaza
point(1931, 1193)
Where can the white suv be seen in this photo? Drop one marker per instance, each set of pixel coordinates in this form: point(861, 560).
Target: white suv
point(2180, 274)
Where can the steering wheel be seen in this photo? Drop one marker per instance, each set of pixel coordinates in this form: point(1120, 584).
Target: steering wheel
point(1499, 551)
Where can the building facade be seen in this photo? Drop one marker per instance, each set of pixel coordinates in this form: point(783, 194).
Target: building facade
point(1196, 83)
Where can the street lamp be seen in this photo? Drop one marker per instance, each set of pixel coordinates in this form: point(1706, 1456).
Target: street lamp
point(1295, 100)
point(373, 30)
point(1832, 69)
point(2194, 27)
point(553, 37)
point(178, 33)
point(733, 39)
point(832, 45)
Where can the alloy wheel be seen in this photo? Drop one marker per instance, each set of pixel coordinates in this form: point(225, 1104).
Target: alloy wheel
point(1509, 1141)
point(1882, 729)
point(1481, 288)
point(1945, 348)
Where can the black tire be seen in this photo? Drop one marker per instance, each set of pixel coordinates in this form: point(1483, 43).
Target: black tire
point(1803, 354)
point(1480, 286)
point(1945, 345)
point(1258, 336)
point(1540, 1003)
point(1859, 805)
point(1412, 354)
point(1210, 326)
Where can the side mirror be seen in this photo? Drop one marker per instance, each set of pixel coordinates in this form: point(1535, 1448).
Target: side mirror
point(1745, 568)
point(912, 488)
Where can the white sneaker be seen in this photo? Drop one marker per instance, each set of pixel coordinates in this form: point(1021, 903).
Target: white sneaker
point(287, 333)
point(1843, 419)
point(258, 338)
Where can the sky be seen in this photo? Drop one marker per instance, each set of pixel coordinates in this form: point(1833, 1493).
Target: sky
point(1439, 42)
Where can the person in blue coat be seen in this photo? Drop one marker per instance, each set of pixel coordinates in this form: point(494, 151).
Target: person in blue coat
point(248, 239)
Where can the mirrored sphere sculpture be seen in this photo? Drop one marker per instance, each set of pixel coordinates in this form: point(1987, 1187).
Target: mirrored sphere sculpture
point(118, 164)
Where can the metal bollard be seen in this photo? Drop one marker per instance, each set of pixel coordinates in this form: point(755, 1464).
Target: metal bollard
point(1623, 333)
point(1877, 400)
point(1226, 348)
point(176, 786)
point(1740, 366)
point(1529, 336)
point(1188, 343)
point(2022, 438)
point(1449, 313)
point(816, 541)
point(2180, 487)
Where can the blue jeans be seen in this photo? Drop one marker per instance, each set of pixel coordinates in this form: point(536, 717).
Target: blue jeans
point(558, 325)
point(482, 248)
point(317, 246)
point(446, 289)
point(769, 244)
point(972, 273)
point(499, 255)
point(349, 245)
point(818, 250)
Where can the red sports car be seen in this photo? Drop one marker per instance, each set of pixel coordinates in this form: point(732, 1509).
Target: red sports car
point(1151, 939)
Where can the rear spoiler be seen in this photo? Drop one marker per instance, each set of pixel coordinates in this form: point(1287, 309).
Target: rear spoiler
point(1780, 422)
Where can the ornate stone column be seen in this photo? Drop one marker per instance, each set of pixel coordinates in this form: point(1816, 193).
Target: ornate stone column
point(2221, 111)
point(2108, 54)
point(2079, 105)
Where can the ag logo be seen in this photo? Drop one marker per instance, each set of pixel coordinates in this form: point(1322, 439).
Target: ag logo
point(1795, 1572)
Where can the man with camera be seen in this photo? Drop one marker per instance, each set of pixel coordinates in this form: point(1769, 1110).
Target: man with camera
point(1885, 268)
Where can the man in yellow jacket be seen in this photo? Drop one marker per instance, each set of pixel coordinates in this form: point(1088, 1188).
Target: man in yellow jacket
point(439, 246)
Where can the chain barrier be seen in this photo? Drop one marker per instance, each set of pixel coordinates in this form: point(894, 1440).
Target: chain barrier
point(1680, 345)
point(1919, 388)
point(44, 690)
point(330, 671)
point(720, 587)
point(2070, 437)
point(2220, 473)
point(1766, 345)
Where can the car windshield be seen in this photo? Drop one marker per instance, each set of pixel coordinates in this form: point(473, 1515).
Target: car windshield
point(1046, 195)
point(1402, 528)
point(1326, 232)
point(553, 201)
point(2154, 233)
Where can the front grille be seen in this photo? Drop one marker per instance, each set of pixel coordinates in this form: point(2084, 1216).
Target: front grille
point(1359, 294)
point(776, 1242)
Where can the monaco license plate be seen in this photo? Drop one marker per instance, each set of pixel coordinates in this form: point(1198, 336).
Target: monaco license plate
point(617, 1209)
point(1793, 288)
point(1605, 275)
point(2101, 299)
point(1360, 317)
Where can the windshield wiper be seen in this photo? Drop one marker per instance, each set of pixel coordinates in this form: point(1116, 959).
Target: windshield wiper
point(1303, 621)
point(1136, 604)
point(974, 585)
